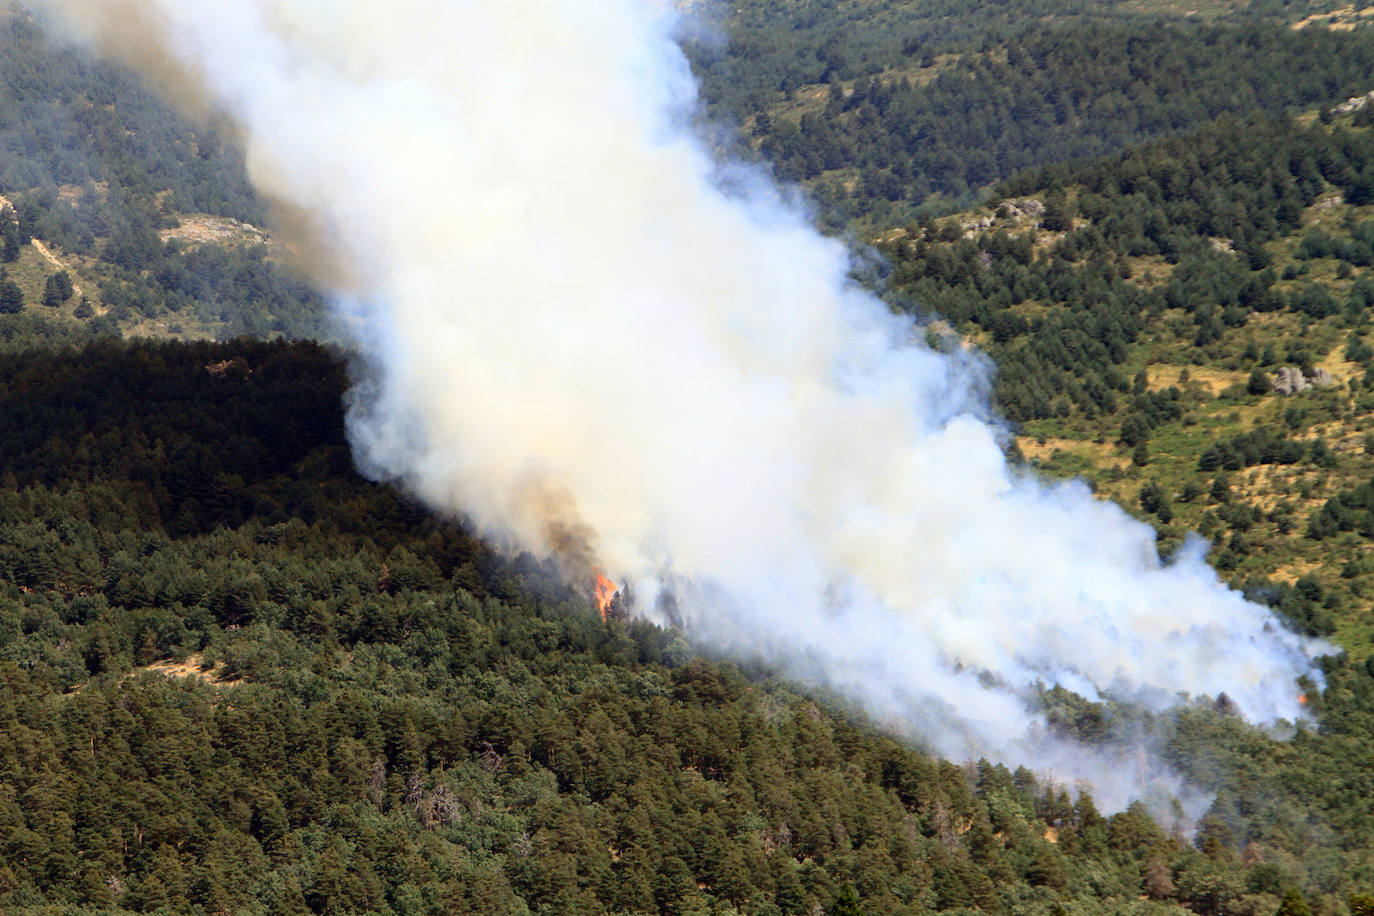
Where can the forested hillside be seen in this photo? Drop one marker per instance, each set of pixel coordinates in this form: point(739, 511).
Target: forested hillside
point(895, 108)
point(1149, 313)
point(1140, 306)
point(148, 214)
point(239, 678)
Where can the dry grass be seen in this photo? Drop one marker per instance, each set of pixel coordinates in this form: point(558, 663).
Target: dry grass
point(1098, 456)
point(192, 666)
point(1213, 381)
point(1341, 20)
point(1202, 9)
point(1149, 271)
point(1341, 369)
point(1292, 572)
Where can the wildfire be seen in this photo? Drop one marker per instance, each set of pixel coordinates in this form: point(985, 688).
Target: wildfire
point(605, 591)
point(1302, 698)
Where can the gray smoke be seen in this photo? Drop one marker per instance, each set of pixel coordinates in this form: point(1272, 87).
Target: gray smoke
point(577, 338)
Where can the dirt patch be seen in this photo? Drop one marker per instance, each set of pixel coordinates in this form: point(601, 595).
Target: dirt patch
point(199, 228)
point(1292, 572)
point(192, 666)
point(57, 263)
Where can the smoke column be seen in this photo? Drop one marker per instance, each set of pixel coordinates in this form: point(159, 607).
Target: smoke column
point(578, 341)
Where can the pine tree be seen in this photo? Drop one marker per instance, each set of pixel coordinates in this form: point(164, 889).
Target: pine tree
point(11, 296)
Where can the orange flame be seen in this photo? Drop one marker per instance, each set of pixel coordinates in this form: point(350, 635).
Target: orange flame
point(1302, 698)
point(605, 591)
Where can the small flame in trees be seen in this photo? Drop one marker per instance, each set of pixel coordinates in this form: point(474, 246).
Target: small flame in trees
point(605, 591)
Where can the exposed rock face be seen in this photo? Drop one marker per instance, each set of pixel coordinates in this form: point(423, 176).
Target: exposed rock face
point(1354, 103)
point(1291, 380)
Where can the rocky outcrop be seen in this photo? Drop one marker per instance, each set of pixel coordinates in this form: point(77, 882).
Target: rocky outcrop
point(1354, 103)
point(1291, 380)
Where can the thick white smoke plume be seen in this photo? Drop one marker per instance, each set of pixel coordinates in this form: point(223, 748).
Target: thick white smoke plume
point(577, 337)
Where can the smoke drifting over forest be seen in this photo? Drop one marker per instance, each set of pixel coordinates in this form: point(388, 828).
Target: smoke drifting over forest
point(577, 340)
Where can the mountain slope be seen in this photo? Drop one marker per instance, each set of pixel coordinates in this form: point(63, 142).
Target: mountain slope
point(238, 677)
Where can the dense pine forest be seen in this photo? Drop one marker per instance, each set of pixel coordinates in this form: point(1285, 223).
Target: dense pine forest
point(240, 678)
point(890, 109)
